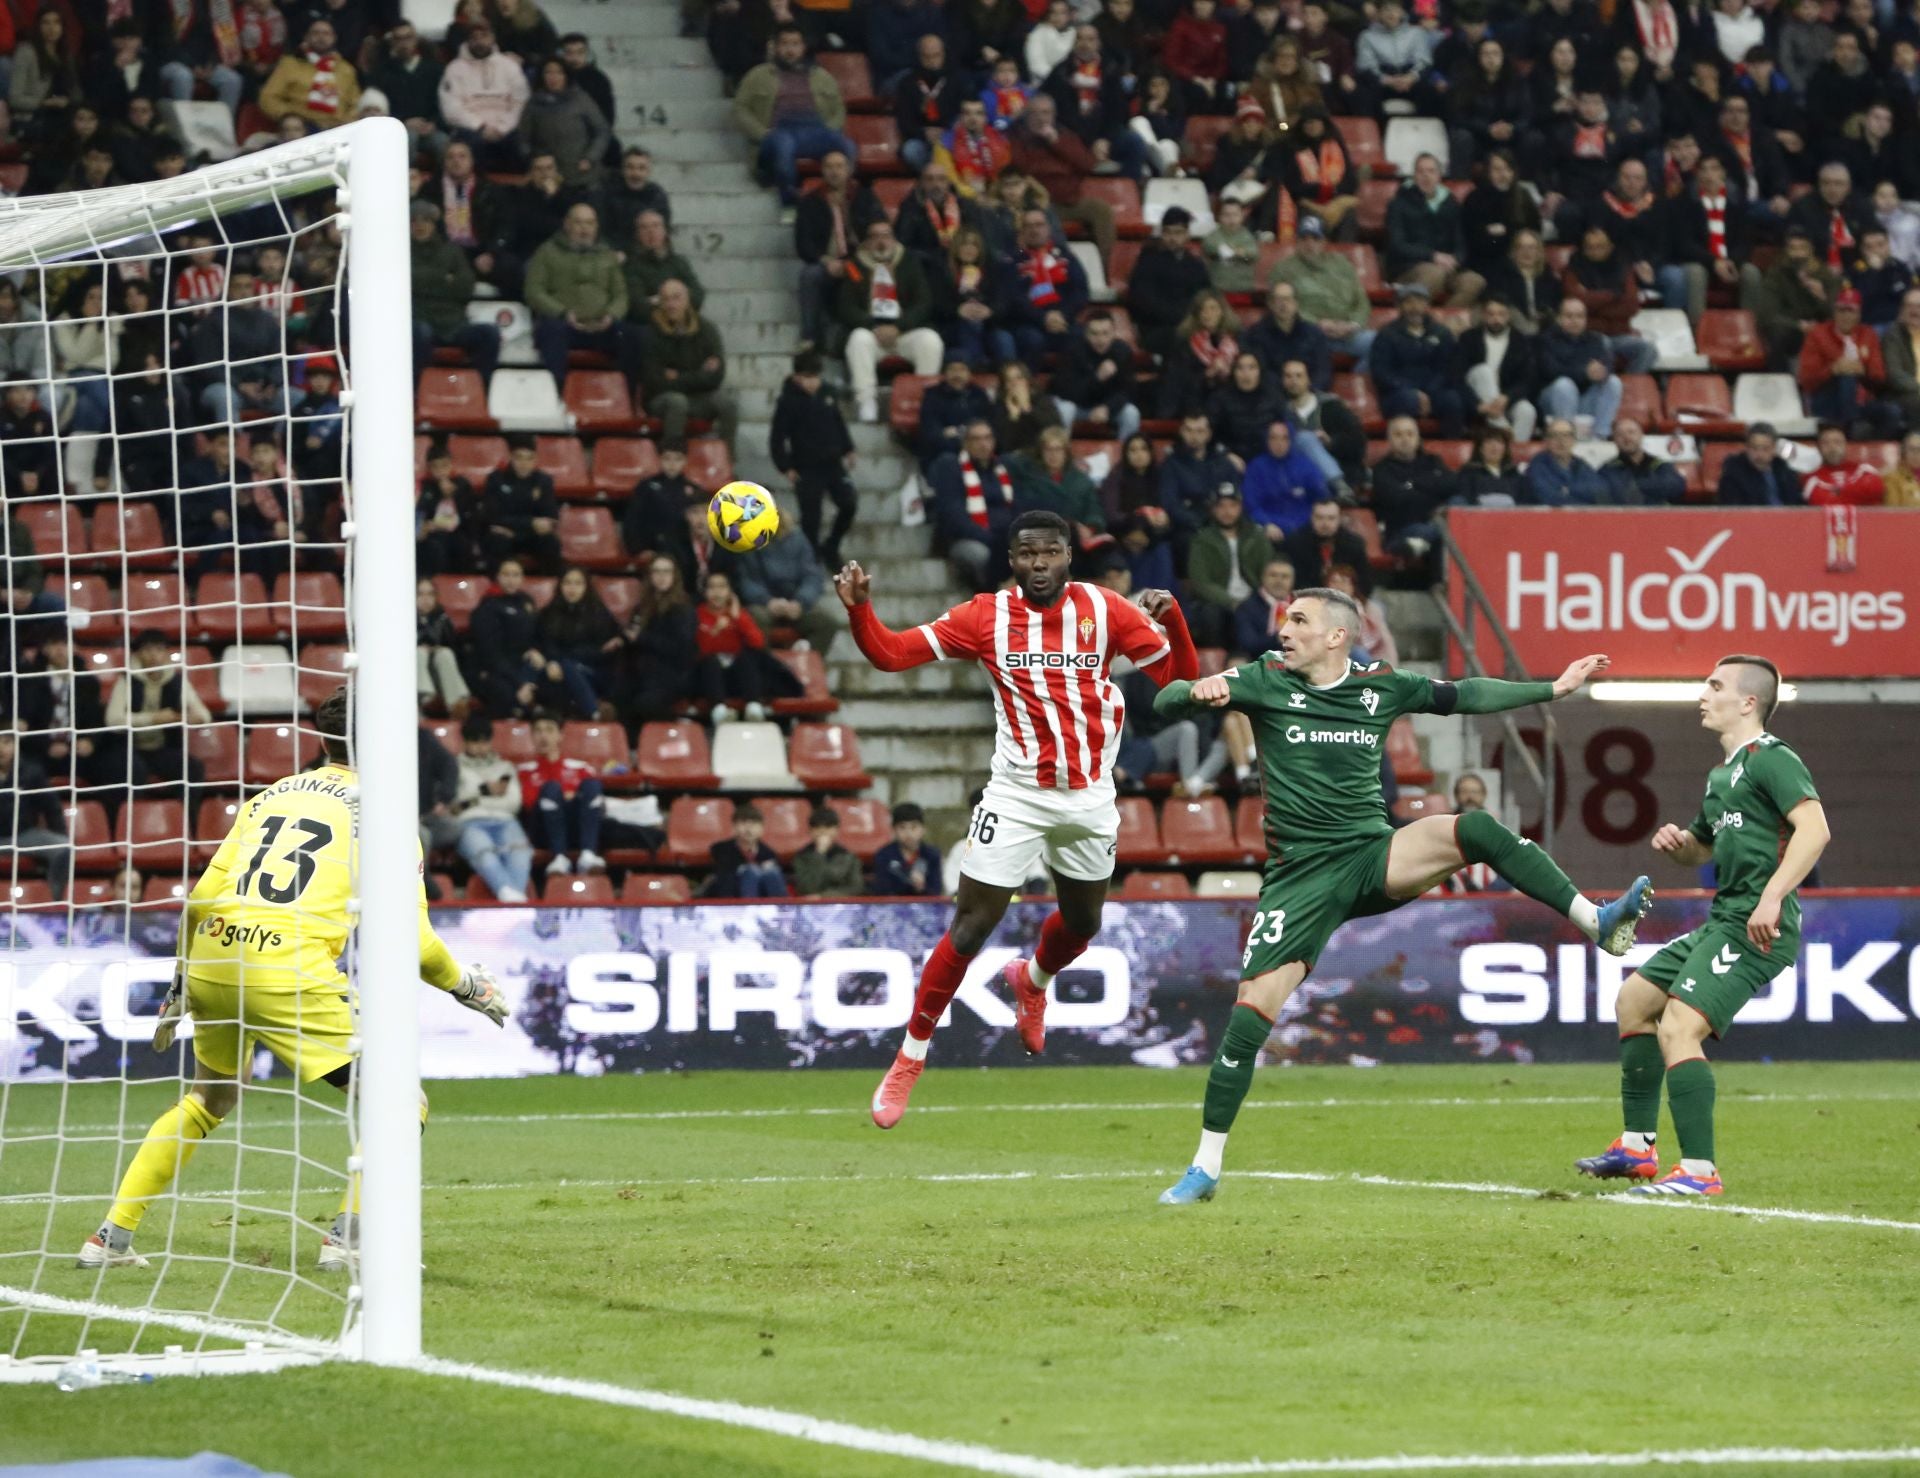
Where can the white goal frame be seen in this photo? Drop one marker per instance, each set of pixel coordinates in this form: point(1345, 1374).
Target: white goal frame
point(372, 157)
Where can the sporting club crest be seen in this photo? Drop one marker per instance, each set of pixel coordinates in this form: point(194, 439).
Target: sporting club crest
point(1086, 628)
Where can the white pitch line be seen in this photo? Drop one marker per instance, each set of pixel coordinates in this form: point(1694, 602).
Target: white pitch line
point(1708, 1457)
point(86, 1308)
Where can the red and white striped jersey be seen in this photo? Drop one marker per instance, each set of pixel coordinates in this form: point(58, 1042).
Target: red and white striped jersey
point(197, 286)
point(1057, 713)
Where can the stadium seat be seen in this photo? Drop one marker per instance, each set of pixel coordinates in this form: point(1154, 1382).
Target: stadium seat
point(1453, 453)
point(275, 751)
point(814, 700)
point(1198, 831)
point(35, 894)
point(1202, 141)
point(603, 746)
point(709, 463)
point(1357, 392)
point(157, 833)
point(440, 888)
point(655, 887)
point(904, 398)
point(1249, 826)
point(1640, 401)
point(1774, 398)
point(459, 594)
point(257, 680)
point(1366, 266)
point(1091, 455)
point(54, 525)
point(540, 588)
point(1701, 405)
point(477, 891)
point(751, 756)
point(619, 594)
point(1366, 523)
point(1149, 885)
point(230, 608)
point(1088, 255)
point(621, 463)
point(1364, 146)
point(673, 756)
point(513, 740)
point(204, 126)
point(525, 400)
point(1408, 138)
point(1671, 334)
point(694, 824)
point(155, 600)
point(1164, 194)
point(1370, 215)
point(1139, 839)
point(1123, 195)
point(593, 887)
point(204, 673)
point(865, 826)
point(876, 146)
point(589, 537)
point(1731, 340)
point(318, 603)
point(476, 458)
point(212, 821)
point(94, 849)
point(451, 400)
point(786, 823)
point(515, 322)
point(1413, 807)
point(827, 757)
point(217, 747)
point(1403, 753)
point(1227, 885)
point(1120, 267)
point(446, 732)
point(849, 69)
point(564, 459)
point(165, 890)
point(129, 532)
point(322, 668)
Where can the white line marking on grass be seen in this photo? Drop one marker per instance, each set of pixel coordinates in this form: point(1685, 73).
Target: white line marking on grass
point(772, 1420)
point(1710, 1457)
point(86, 1308)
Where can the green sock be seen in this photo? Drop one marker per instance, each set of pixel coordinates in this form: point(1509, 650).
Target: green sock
point(1641, 1069)
point(1690, 1099)
point(1483, 839)
point(1232, 1075)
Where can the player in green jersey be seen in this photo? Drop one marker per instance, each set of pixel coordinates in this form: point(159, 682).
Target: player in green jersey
point(1763, 828)
point(1321, 719)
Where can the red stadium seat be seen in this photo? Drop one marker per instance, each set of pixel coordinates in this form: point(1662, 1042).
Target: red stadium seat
point(694, 824)
point(421, 446)
point(620, 463)
point(619, 594)
point(827, 757)
point(564, 459)
point(1701, 405)
point(1366, 266)
point(1370, 215)
point(786, 823)
point(155, 600)
point(1357, 392)
point(1202, 141)
point(1403, 753)
point(165, 890)
point(1141, 886)
point(211, 823)
point(451, 400)
point(1198, 831)
point(323, 667)
point(849, 69)
point(876, 146)
point(1126, 255)
point(1120, 192)
point(476, 458)
point(674, 756)
point(54, 525)
point(129, 531)
point(447, 732)
point(1714, 455)
point(1365, 147)
point(1731, 340)
point(217, 747)
point(275, 751)
point(1640, 401)
point(1453, 453)
point(594, 887)
point(589, 537)
point(1139, 839)
point(599, 401)
point(599, 745)
point(865, 826)
point(319, 604)
point(890, 192)
point(903, 405)
point(92, 893)
point(34, 894)
point(655, 887)
point(814, 700)
point(157, 832)
point(709, 463)
point(1365, 523)
point(228, 608)
point(513, 740)
point(1249, 826)
point(94, 849)
point(441, 889)
point(478, 891)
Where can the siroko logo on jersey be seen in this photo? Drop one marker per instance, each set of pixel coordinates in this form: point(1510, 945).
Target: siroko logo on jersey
point(1688, 597)
point(1089, 660)
point(230, 934)
point(1365, 738)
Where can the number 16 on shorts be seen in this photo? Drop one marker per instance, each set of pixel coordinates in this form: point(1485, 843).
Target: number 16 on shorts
point(1275, 924)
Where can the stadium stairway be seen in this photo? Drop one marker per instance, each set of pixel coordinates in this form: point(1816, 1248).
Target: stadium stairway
point(925, 735)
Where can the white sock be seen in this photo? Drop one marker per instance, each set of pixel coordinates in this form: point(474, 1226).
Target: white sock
point(1041, 978)
point(1213, 1145)
point(1697, 1167)
point(913, 1048)
point(1634, 1140)
point(1585, 914)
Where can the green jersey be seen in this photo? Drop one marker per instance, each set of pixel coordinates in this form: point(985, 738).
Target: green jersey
point(1320, 748)
point(1744, 819)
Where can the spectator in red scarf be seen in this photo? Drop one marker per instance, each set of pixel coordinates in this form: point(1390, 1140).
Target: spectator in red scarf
point(1840, 478)
point(1062, 163)
point(926, 101)
point(1709, 236)
point(932, 214)
point(1202, 359)
point(887, 308)
point(1842, 372)
point(1090, 98)
point(973, 504)
point(972, 153)
point(319, 84)
point(1047, 286)
point(1833, 216)
point(828, 227)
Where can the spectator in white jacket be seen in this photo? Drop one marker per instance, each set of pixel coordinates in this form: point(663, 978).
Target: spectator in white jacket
point(483, 92)
point(487, 808)
point(1050, 42)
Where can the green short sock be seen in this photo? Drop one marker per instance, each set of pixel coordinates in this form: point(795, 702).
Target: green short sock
point(1232, 1075)
point(1641, 1069)
point(1532, 871)
point(1690, 1096)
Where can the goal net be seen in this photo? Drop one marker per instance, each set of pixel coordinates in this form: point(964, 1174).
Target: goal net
point(206, 448)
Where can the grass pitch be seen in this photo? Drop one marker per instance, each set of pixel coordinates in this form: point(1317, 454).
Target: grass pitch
point(751, 1238)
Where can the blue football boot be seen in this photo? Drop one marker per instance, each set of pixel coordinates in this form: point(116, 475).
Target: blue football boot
point(1620, 918)
point(1193, 1187)
point(1620, 1163)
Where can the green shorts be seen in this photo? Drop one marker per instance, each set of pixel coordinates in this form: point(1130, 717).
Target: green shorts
point(1308, 895)
point(1716, 970)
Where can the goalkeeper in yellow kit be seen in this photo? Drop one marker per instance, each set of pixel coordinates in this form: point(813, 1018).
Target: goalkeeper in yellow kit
point(260, 941)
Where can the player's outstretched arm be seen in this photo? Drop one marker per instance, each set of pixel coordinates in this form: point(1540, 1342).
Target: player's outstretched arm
point(1681, 845)
point(1182, 660)
point(1809, 840)
point(888, 650)
point(1497, 695)
point(1183, 699)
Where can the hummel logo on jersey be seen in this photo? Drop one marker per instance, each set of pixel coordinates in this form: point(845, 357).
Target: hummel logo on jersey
point(1725, 960)
point(1738, 770)
point(1298, 700)
point(1370, 700)
point(1687, 984)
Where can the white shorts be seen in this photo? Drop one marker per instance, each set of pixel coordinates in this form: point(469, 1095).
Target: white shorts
point(1015, 826)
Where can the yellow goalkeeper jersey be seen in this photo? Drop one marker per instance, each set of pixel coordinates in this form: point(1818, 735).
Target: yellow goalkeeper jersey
point(271, 908)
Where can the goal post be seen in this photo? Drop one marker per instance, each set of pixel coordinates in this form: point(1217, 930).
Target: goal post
point(81, 972)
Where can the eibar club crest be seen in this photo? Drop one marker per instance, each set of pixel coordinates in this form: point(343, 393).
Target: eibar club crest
point(1370, 700)
point(1086, 628)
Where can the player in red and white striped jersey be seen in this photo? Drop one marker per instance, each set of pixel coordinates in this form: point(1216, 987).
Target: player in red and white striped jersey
point(1048, 646)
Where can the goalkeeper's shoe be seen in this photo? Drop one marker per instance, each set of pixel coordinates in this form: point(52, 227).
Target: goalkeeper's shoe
point(1620, 918)
point(98, 1252)
point(335, 1255)
point(1190, 1189)
point(1620, 1163)
point(1680, 1182)
point(890, 1098)
point(1029, 1006)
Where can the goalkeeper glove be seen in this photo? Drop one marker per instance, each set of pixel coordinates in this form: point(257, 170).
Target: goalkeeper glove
point(477, 992)
point(172, 1009)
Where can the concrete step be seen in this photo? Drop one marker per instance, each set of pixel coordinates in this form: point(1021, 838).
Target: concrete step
point(641, 54)
point(858, 680)
point(683, 146)
point(733, 268)
point(942, 797)
point(730, 308)
point(772, 336)
point(727, 173)
point(651, 122)
point(967, 755)
point(637, 84)
point(924, 577)
point(944, 716)
point(756, 401)
point(702, 244)
point(768, 370)
point(899, 609)
point(756, 207)
point(607, 19)
point(871, 539)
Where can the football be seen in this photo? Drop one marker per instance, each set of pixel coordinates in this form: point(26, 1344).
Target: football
point(743, 517)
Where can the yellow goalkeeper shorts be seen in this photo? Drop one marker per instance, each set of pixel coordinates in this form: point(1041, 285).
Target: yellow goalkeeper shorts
point(308, 1026)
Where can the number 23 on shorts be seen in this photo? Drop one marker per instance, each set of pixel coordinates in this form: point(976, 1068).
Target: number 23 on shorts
point(1275, 922)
